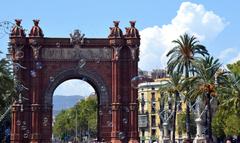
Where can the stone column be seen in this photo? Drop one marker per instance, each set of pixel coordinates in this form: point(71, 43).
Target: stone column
point(165, 133)
point(116, 104)
point(35, 44)
point(17, 53)
point(134, 136)
point(16, 136)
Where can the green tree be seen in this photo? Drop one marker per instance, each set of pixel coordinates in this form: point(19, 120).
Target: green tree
point(204, 81)
point(6, 85)
point(232, 125)
point(187, 49)
point(174, 85)
point(235, 67)
point(227, 119)
point(218, 125)
point(83, 116)
point(181, 125)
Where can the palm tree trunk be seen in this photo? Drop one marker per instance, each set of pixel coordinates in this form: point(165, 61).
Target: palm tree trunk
point(187, 108)
point(174, 116)
point(209, 117)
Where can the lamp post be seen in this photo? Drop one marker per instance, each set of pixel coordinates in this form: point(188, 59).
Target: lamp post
point(76, 128)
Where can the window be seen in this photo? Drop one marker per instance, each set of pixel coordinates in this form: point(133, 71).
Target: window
point(153, 121)
point(153, 97)
point(153, 107)
point(153, 132)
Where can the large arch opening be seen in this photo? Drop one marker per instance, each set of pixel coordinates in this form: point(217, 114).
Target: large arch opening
point(75, 108)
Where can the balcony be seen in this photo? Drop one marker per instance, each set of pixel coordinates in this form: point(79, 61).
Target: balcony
point(142, 121)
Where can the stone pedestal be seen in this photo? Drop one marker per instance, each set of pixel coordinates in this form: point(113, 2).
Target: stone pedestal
point(166, 138)
point(199, 137)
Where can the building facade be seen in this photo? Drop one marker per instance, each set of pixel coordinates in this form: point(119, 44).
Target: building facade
point(154, 114)
point(149, 98)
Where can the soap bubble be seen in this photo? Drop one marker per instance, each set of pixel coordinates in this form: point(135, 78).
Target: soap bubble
point(33, 73)
point(103, 88)
point(136, 80)
point(109, 123)
point(125, 121)
point(25, 135)
point(126, 109)
point(39, 65)
point(81, 63)
point(110, 111)
point(100, 112)
point(58, 44)
point(24, 127)
point(18, 122)
point(97, 60)
point(51, 79)
point(121, 135)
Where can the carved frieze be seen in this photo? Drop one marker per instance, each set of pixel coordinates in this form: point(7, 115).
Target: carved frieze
point(76, 53)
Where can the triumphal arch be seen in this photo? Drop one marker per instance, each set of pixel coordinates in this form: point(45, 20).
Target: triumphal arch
point(42, 63)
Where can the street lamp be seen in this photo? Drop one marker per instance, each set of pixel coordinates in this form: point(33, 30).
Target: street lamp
point(76, 128)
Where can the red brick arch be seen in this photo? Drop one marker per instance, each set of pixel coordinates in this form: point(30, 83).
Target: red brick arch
point(42, 63)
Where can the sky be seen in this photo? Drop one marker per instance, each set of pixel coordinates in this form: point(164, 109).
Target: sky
point(215, 23)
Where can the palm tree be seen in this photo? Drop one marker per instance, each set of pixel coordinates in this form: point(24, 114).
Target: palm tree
point(230, 92)
point(174, 85)
point(187, 49)
point(204, 83)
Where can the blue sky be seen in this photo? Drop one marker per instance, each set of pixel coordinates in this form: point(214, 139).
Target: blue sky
point(215, 23)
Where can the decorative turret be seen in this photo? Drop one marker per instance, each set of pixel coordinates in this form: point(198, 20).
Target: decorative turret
point(133, 40)
point(17, 30)
point(116, 32)
point(36, 31)
point(132, 31)
point(132, 35)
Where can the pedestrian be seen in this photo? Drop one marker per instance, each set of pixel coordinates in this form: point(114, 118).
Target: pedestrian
point(228, 140)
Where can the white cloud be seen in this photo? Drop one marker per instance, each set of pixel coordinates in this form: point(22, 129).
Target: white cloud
point(74, 87)
point(191, 18)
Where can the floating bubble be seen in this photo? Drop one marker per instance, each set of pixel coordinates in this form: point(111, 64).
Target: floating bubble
point(110, 111)
point(125, 121)
point(24, 122)
point(126, 109)
point(19, 87)
point(39, 65)
point(21, 108)
point(33, 73)
point(45, 121)
point(51, 79)
point(100, 112)
point(97, 60)
point(109, 123)
point(19, 55)
point(24, 127)
point(121, 135)
point(103, 89)
point(81, 63)
point(136, 80)
point(18, 122)
point(84, 79)
point(25, 135)
point(58, 44)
